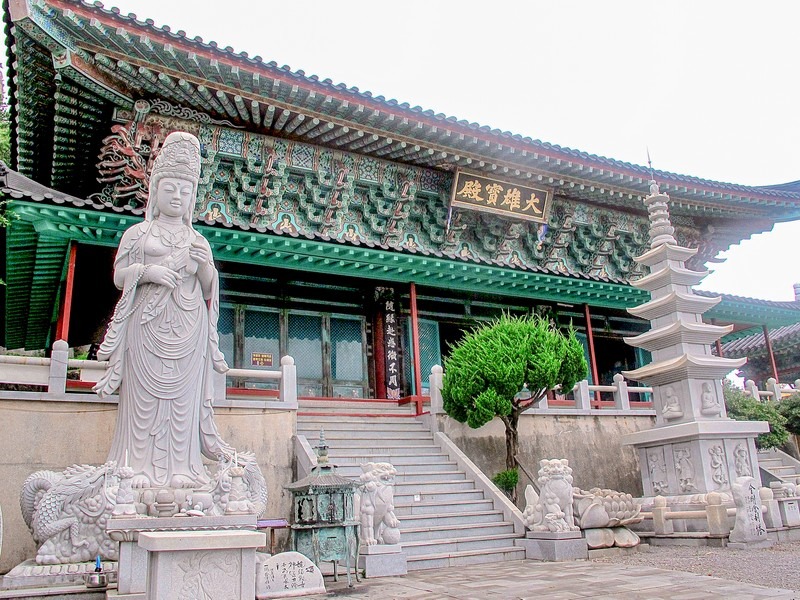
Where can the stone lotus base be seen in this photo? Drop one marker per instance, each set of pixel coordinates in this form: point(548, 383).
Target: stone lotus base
point(383, 560)
point(557, 546)
point(608, 537)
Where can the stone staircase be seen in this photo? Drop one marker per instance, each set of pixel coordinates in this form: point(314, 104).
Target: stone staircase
point(776, 465)
point(446, 520)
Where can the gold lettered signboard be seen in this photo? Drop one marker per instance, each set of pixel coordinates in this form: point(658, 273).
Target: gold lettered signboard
point(509, 199)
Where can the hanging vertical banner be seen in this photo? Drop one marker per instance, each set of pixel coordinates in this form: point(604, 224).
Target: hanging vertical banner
point(390, 342)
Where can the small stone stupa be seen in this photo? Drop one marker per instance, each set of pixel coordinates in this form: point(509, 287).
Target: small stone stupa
point(694, 447)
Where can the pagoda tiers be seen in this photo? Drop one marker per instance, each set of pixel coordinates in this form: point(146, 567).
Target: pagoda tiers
point(694, 447)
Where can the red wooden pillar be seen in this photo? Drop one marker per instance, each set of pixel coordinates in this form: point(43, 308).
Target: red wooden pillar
point(415, 344)
point(770, 353)
point(62, 325)
point(592, 357)
point(717, 343)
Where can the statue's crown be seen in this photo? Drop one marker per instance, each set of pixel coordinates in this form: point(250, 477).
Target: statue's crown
point(180, 154)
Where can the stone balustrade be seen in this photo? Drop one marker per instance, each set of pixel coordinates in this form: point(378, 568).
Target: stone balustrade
point(717, 514)
point(51, 374)
point(772, 389)
point(584, 398)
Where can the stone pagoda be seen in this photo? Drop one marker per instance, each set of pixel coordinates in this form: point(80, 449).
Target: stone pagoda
point(694, 447)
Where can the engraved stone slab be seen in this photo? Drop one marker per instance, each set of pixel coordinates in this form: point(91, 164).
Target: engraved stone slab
point(201, 564)
point(287, 574)
point(749, 526)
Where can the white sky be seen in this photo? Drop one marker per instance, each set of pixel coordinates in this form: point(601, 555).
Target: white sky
point(710, 87)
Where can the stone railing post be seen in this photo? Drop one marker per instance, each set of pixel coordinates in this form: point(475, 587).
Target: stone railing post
point(717, 516)
point(751, 388)
point(622, 400)
point(797, 385)
point(583, 400)
point(435, 383)
point(57, 380)
point(220, 383)
point(288, 391)
point(661, 524)
point(772, 386)
point(772, 514)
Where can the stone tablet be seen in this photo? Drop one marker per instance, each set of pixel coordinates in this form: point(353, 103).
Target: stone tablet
point(749, 526)
point(286, 575)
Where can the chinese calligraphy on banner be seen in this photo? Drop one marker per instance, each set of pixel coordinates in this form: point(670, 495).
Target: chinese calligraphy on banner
point(390, 342)
point(501, 197)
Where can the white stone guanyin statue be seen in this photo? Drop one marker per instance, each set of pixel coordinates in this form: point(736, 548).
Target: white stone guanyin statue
point(162, 347)
point(162, 342)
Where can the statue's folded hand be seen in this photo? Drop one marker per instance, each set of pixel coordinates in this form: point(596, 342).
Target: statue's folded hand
point(161, 275)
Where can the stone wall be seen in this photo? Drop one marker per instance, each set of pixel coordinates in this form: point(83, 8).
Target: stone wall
point(52, 435)
point(590, 443)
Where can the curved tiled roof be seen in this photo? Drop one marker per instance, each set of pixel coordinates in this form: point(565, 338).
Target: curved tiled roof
point(572, 165)
point(754, 344)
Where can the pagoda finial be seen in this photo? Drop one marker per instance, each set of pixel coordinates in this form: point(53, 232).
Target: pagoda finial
point(661, 229)
point(322, 449)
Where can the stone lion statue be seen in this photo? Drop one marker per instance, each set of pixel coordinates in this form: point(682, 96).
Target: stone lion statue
point(379, 525)
point(551, 510)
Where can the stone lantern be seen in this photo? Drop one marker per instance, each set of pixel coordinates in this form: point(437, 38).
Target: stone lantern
point(324, 524)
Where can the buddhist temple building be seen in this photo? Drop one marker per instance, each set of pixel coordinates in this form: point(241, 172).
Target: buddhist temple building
point(359, 234)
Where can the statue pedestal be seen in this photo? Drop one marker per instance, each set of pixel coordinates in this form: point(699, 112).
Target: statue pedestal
point(697, 457)
point(201, 564)
point(383, 560)
point(554, 546)
point(133, 559)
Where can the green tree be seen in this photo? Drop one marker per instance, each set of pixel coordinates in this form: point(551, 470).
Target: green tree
point(743, 407)
point(488, 371)
point(790, 410)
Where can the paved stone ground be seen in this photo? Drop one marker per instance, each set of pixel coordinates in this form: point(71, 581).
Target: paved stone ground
point(778, 566)
point(528, 580)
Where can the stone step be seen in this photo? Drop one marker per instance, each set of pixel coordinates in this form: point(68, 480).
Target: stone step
point(353, 470)
point(404, 510)
point(780, 470)
point(346, 421)
point(464, 558)
point(455, 532)
point(406, 477)
point(440, 519)
point(397, 460)
point(365, 434)
point(768, 463)
point(447, 497)
point(353, 405)
point(424, 487)
point(367, 446)
point(450, 545)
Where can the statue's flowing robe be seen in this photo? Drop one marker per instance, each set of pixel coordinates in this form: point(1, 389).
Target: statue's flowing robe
point(162, 346)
